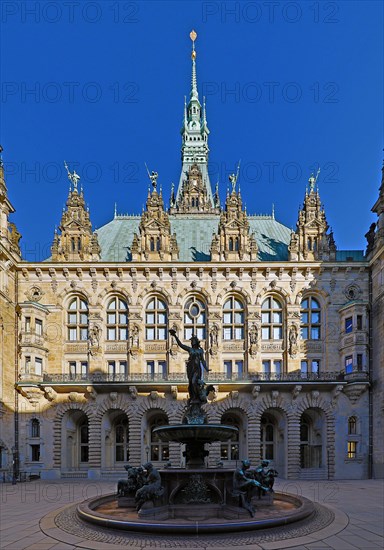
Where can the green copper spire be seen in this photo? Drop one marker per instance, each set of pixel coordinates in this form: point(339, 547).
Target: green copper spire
point(194, 150)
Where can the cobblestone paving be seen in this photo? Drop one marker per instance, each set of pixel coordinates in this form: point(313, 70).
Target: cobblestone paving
point(68, 521)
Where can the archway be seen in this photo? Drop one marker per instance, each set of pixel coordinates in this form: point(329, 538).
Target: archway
point(236, 449)
point(75, 441)
point(273, 439)
point(115, 440)
point(154, 450)
point(312, 436)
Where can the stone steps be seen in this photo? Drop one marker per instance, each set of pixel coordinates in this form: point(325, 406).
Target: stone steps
point(313, 473)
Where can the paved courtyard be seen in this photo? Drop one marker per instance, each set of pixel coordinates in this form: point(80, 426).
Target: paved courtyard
point(37, 516)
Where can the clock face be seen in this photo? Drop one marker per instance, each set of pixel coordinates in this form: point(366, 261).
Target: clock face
point(194, 183)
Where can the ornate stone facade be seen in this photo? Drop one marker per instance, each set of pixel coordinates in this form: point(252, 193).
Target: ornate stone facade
point(88, 367)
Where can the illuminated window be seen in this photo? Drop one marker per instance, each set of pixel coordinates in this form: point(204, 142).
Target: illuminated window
point(159, 450)
point(230, 450)
point(352, 449)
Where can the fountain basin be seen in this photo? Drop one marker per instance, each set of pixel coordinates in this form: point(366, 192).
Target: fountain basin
point(191, 433)
point(104, 512)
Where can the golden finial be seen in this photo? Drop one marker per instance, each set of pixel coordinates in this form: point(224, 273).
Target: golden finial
point(193, 36)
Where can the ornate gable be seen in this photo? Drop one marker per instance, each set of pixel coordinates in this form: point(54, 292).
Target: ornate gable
point(155, 241)
point(233, 240)
point(311, 241)
point(75, 240)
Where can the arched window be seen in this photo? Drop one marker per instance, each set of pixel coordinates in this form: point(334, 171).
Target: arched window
point(231, 450)
point(35, 427)
point(152, 244)
point(267, 438)
point(310, 319)
point(156, 320)
point(233, 320)
point(117, 319)
point(77, 318)
point(271, 319)
point(158, 246)
point(84, 440)
point(158, 450)
point(352, 425)
point(237, 243)
point(230, 244)
point(121, 439)
point(194, 319)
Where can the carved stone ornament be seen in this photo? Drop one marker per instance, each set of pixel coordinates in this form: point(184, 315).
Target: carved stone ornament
point(50, 393)
point(354, 391)
point(352, 292)
point(133, 392)
point(34, 294)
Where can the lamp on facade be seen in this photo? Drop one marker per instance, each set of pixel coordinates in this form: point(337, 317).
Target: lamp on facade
point(147, 451)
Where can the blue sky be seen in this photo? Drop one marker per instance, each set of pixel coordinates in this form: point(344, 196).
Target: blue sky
point(289, 86)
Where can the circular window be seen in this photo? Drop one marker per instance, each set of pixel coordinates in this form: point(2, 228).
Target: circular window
point(194, 310)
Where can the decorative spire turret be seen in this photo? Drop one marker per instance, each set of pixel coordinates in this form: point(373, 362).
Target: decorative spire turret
point(9, 235)
point(155, 241)
point(75, 241)
point(311, 241)
point(376, 238)
point(233, 241)
point(194, 150)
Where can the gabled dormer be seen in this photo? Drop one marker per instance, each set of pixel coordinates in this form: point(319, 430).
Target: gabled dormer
point(9, 235)
point(311, 241)
point(75, 241)
point(155, 241)
point(233, 241)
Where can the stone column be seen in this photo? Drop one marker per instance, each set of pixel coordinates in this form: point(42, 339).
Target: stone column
point(293, 458)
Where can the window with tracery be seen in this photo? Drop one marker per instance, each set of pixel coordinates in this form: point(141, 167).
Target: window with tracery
point(156, 320)
point(231, 449)
point(194, 319)
point(121, 439)
point(233, 319)
point(84, 440)
point(77, 319)
point(117, 319)
point(352, 425)
point(271, 319)
point(158, 449)
point(310, 319)
point(35, 427)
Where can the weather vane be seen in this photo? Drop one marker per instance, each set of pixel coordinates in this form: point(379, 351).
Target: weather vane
point(73, 177)
point(193, 36)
